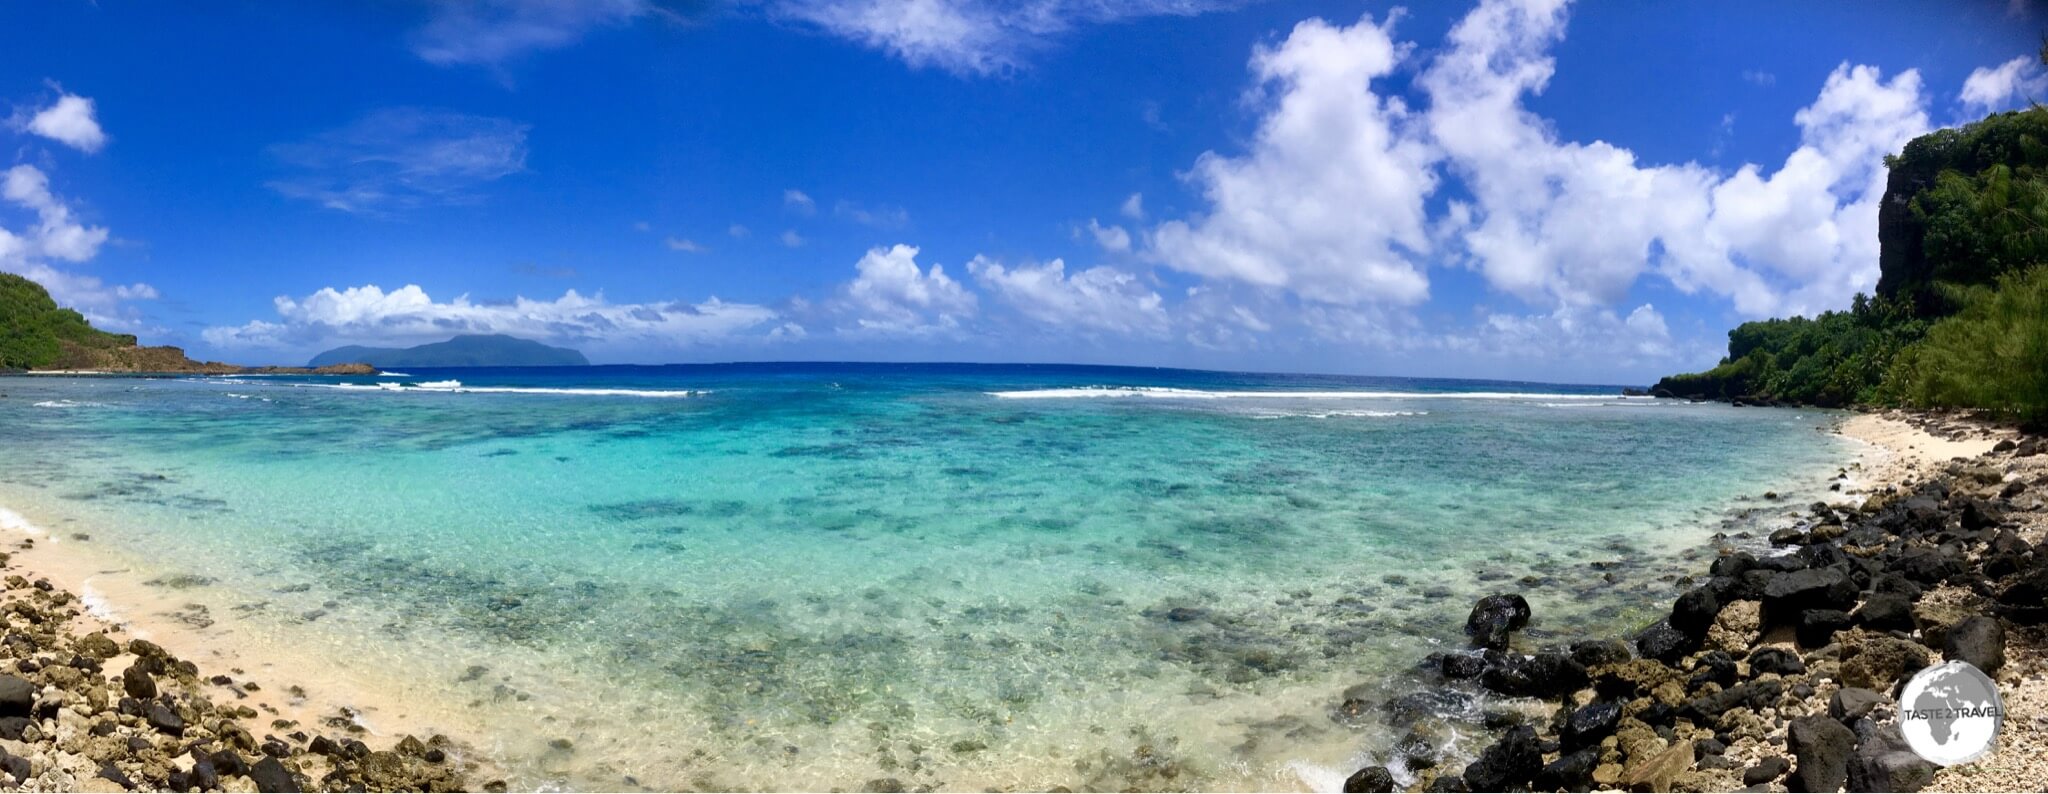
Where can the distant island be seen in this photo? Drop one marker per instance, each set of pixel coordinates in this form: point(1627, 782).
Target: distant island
point(37, 335)
point(469, 350)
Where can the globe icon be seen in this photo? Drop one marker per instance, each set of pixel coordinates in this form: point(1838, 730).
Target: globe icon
point(1950, 713)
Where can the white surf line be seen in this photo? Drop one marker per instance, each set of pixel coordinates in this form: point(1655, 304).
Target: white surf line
point(1159, 392)
point(456, 387)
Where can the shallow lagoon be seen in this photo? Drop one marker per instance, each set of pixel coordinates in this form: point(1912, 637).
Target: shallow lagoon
point(815, 576)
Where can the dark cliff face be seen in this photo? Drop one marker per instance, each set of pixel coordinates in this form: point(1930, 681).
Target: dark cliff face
point(1901, 236)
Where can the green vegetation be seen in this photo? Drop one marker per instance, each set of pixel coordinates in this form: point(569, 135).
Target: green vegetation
point(36, 333)
point(1992, 355)
point(1960, 319)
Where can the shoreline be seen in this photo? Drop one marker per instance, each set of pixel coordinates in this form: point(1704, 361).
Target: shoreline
point(1778, 671)
point(327, 732)
point(1897, 453)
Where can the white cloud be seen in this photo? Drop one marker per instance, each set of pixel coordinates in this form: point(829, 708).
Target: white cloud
point(791, 239)
point(2007, 85)
point(882, 217)
point(490, 32)
point(1096, 299)
point(1559, 223)
point(407, 316)
point(56, 234)
point(1587, 338)
point(798, 202)
point(683, 245)
point(737, 231)
point(892, 295)
point(402, 158)
point(70, 121)
point(1112, 238)
point(1328, 203)
point(970, 37)
point(1759, 77)
point(1134, 207)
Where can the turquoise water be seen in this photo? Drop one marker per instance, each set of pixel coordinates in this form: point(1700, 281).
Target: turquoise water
point(812, 576)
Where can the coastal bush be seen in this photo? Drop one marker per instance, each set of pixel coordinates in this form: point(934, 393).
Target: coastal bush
point(1964, 211)
point(1992, 355)
point(34, 330)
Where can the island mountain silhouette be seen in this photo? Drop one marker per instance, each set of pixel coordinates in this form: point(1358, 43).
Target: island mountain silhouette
point(469, 350)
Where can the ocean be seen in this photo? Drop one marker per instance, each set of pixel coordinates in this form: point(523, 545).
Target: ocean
point(819, 576)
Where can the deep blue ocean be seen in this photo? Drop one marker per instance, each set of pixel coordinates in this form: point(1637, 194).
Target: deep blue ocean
point(811, 576)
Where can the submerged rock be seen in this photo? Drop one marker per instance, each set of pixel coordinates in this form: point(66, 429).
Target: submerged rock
point(1370, 780)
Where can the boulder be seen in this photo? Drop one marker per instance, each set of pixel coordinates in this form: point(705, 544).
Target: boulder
point(1370, 780)
point(271, 776)
point(1769, 769)
point(1594, 653)
point(1508, 764)
point(1775, 660)
point(1550, 674)
point(1658, 772)
point(1851, 704)
point(1817, 627)
point(1928, 567)
point(1706, 709)
point(1495, 618)
point(1881, 661)
point(17, 697)
point(1694, 612)
point(137, 682)
point(1461, 666)
point(1585, 727)
point(1715, 667)
point(1570, 772)
point(1980, 641)
point(1822, 747)
point(1791, 593)
point(1884, 762)
point(1665, 644)
point(1885, 612)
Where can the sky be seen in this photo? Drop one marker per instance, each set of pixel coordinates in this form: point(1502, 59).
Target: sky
point(1515, 189)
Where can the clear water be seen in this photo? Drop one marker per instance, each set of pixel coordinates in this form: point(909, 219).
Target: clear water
point(963, 577)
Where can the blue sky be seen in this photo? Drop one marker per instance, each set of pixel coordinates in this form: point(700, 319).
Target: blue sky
point(1512, 188)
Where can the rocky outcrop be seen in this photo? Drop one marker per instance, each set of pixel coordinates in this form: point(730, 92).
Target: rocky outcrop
point(68, 723)
point(1774, 671)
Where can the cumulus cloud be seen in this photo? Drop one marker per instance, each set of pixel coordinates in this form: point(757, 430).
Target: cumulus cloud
point(1329, 202)
point(490, 32)
point(970, 37)
point(402, 158)
point(1562, 223)
point(1134, 207)
point(1583, 335)
point(790, 239)
point(892, 295)
point(71, 121)
point(55, 235)
point(684, 245)
point(1993, 88)
point(1096, 299)
point(1112, 238)
point(408, 316)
